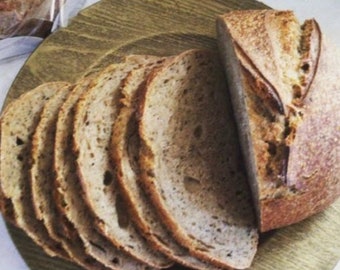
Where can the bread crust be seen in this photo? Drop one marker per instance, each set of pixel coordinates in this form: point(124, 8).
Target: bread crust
point(75, 219)
point(15, 162)
point(167, 172)
point(308, 129)
point(95, 114)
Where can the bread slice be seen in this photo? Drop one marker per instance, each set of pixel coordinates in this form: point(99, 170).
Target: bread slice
point(190, 160)
point(125, 153)
point(43, 177)
point(96, 112)
point(283, 81)
point(76, 221)
point(41, 172)
point(18, 123)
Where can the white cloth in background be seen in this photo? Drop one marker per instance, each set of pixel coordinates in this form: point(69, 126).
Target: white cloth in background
point(15, 51)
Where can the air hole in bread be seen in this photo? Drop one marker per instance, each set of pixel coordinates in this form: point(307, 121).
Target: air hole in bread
point(191, 184)
point(297, 91)
point(272, 148)
point(287, 129)
point(108, 178)
point(198, 132)
point(122, 212)
point(305, 67)
point(20, 158)
point(150, 173)
point(115, 260)
point(19, 141)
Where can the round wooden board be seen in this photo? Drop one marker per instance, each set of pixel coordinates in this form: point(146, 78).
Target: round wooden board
point(108, 30)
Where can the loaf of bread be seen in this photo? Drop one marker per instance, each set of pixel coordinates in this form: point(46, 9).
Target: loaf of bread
point(190, 160)
point(144, 163)
point(284, 81)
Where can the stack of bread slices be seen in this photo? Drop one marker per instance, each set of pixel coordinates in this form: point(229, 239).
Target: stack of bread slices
point(139, 166)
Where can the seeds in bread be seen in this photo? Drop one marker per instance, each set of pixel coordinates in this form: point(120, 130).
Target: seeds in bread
point(96, 112)
point(68, 197)
point(190, 160)
point(125, 152)
point(18, 123)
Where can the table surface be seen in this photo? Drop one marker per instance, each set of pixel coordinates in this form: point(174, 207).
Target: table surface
point(326, 12)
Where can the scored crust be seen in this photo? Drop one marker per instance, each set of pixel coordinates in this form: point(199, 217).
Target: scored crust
point(287, 124)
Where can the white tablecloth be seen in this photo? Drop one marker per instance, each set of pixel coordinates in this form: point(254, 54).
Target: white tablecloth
point(14, 52)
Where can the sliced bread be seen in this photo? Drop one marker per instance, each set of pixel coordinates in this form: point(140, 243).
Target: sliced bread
point(95, 114)
point(18, 123)
point(42, 181)
point(41, 172)
point(125, 153)
point(191, 164)
point(284, 85)
point(72, 207)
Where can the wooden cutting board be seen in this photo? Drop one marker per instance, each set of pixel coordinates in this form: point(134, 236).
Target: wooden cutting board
point(110, 29)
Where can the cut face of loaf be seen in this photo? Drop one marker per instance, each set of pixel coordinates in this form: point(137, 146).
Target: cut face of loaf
point(18, 123)
point(75, 213)
point(190, 160)
point(284, 83)
point(96, 112)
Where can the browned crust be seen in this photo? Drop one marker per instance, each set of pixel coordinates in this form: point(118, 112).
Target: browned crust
point(100, 226)
point(125, 125)
point(312, 179)
point(288, 210)
point(264, 88)
point(310, 50)
point(147, 159)
point(7, 210)
point(313, 173)
point(50, 246)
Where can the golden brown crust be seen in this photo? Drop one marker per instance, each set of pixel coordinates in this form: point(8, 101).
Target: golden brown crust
point(309, 136)
point(313, 166)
